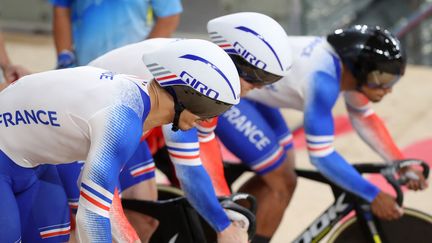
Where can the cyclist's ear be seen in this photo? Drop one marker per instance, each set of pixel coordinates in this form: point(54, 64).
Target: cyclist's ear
point(235, 213)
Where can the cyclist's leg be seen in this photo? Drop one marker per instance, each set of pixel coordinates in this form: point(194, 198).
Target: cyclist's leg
point(137, 181)
point(48, 218)
point(33, 206)
point(69, 174)
point(246, 133)
point(10, 224)
point(137, 177)
point(10, 230)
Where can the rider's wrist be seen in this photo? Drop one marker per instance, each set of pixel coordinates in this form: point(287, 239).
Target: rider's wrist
point(370, 192)
point(223, 225)
point(66, 59)
point(374, 195)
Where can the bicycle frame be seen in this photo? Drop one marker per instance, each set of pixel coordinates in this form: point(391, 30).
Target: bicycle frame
point(323, 224)
point(345, 202)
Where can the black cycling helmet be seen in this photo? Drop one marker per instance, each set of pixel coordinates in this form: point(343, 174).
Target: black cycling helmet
point(365, 49)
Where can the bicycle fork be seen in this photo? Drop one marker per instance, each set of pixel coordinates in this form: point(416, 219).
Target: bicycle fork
point(369, 223)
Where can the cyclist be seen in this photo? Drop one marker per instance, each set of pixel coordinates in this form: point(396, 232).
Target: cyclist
point(103, 129)
point(363, 63)
point(251, 35)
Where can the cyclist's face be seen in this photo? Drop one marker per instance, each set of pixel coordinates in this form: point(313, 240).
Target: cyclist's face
point(375, 94)
point(378, 85)
point(246, 86)
point(188, 120)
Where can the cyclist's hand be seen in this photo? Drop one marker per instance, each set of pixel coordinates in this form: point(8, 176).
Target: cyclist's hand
point(235, 233)
point(66, 59)
point(14, 72)
point(416, 180)
point(385, 207)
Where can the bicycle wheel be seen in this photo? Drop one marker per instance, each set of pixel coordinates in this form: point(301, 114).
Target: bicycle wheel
point(414, 226)
point(168, 192)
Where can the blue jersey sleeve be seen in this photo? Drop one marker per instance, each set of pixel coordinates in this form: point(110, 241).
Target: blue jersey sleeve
point(115, 134)
point(320, 135)
point(164, 8)
point(61, 3)
point(183, 149)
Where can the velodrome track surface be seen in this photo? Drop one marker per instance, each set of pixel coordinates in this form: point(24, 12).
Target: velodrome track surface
point(406, 111)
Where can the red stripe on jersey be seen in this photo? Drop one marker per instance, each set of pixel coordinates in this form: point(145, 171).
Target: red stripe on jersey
point(287, 142)
point(64, 232)
point(98, 204)
point(143, 171)
point(184, 156)
point(265, 165)
point(318, 149)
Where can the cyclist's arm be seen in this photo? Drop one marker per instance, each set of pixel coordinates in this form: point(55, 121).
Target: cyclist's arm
point(370, 127)
point(211, 156)
point(183, 149)
point(62, 25)
point(318, 123)
point(114, 136)
point(167, 17)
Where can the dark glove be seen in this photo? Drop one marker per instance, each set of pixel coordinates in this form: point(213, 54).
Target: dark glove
point(66, 59)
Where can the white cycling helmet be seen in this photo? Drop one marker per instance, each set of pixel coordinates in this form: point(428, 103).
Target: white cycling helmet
point(257, 44)
point(199, 75)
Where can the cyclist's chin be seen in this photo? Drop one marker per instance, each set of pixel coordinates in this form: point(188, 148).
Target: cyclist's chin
point(378, 99)
point(186, 126)
point(244, 91)
point(374, 98)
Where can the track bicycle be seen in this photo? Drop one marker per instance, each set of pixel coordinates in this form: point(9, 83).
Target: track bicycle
point(339, 226)
point(178, 220)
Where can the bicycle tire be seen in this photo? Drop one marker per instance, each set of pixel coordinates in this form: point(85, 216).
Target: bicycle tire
point(168, 192)
point(414, 226)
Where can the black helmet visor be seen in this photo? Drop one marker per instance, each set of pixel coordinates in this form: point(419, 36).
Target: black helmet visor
point(199, 104)
point(252, 74)
point(381, 80)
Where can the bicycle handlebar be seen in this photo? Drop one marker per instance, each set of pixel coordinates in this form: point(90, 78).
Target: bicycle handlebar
point(389, 174)
point(387, 170)
point(248, 197)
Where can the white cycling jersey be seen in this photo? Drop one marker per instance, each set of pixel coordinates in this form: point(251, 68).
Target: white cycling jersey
point(309, 55)
point(82, 113)
point(46, 117)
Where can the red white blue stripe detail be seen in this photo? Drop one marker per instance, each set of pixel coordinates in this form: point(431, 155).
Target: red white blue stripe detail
point(95, 198)
point(319, 146)
point(143, 168)
point(286, 141)
point(222, 43)
point(164, 76)
point(205, 134)
point(55, 230)
point(73, 204)
point(184, 153)
point(273, 158)
point(365, 110)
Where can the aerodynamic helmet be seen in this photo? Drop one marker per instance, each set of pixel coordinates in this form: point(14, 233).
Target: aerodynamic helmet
point(257, 44)
point(198, 74)
point(370, 53)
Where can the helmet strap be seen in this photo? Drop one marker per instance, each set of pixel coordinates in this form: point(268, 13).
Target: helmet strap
point(178, 108)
